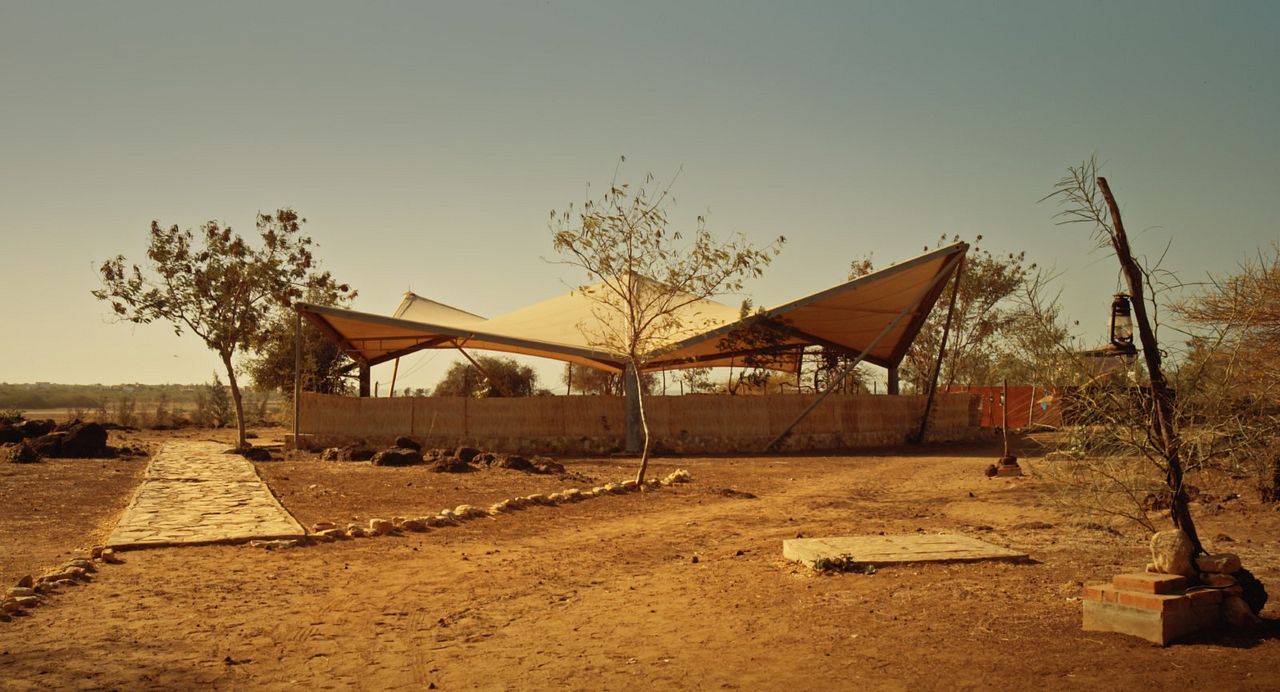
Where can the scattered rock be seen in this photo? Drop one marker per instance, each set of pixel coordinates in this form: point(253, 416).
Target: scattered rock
point(466, 454)
point(347, 453)
point(9, 605)
point(500, 507)
point(323, 526)
point(21, 453)
point(437, 521)
point(403, 442)
point(1253, 591)
point(677, 476)
point(537, 499)
point(66, 582)
point(45, 588)
point(547, 465)
point(1217, 581)
point(416, 525)
point(736, 494)
point(1033, 526)
point(694, 559)
point(36, 428)
point(334, 533)
point(255, 453)
point(48, 446)
point(450, 465)
point(357, 532)
point(1224, 538)
point(26, 582)
point(515, 462)
point(1171, 553)
point(1220, 563)
point(19, 591)
point(110, 557)
point(95, 552)
point(990, 471)
point(27, 601)
point(397, 457)
point(1095, 526)
point(572, 495)
point(469, 512)
point(85, 441)
point(1237, 613)
point(380, 527)
point(82, 564)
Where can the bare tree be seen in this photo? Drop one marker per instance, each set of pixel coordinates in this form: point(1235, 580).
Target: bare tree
point(1087, 198)
point(646, 274)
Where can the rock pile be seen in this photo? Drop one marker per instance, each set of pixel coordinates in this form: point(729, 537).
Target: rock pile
point(45, 439)
point(1243, 596)
point(409, 452)
point(30, 591)
point(327, 531)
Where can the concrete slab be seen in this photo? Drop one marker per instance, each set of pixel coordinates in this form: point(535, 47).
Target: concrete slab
point(896, 549)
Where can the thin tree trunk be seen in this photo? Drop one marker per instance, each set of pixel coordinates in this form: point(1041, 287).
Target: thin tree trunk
point(241, 440)
point(1166, 428)
point(644, 427)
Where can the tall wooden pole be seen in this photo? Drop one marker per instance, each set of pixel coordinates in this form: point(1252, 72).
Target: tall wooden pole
point(297, 378)
point(1166, 429)
point(942, 352)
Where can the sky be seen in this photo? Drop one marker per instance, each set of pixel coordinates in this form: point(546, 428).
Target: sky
point(426, 143)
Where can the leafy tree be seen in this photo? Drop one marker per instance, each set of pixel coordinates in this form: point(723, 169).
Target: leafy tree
point(986, 313)
point(585, 380)
point(323, 363)
point(497, 377)
point(217, 286)
point(761, 340)
point(647, 273)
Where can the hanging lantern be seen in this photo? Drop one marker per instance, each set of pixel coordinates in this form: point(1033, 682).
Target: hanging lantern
point(1122, 324)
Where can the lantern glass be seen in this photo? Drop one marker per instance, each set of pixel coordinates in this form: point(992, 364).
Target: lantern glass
point(1121, 322)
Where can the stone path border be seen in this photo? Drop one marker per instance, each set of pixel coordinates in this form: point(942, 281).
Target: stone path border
point(193, 493)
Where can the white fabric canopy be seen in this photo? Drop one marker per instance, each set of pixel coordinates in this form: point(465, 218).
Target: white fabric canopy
point(883, 310)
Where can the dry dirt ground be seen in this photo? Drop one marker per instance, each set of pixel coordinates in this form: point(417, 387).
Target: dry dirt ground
point(606, 593)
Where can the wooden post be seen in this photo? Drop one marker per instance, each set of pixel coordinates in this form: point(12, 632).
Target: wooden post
point(1004, 414)
point(1166, 430)
point(364, 378)
point(394, 371)
point(942, 352)
point(297, 377)
point(893, 384)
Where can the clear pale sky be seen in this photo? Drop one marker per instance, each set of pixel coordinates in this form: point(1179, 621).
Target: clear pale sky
point(426, 142)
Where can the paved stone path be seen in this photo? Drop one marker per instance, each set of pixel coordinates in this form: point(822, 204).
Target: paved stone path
point(193, 493)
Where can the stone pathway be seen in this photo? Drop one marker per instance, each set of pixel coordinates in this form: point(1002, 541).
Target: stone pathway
point(193, 493)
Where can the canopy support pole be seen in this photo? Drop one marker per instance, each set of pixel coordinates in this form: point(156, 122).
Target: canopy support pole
point(395, 370)
point(365, 378)
point(942, 352)
point(893, 385)
point(839, 378)
point(492, 382)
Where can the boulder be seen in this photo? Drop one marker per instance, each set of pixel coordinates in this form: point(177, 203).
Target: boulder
point(677, 476)
point(397, 457)
point(450, 465)
point(1171, 553)
point(403, 442)
point(1237, 613)
point(466, 454)
point(36, 428)
point(1217, 581)
point(547, 465)
point(10, 434)
point(47, 446)
point(1220, 563)
point(515, 462)
point(109, 556)
point(255, 453)
point(380, 527)
point(416, 525)
point(21, 453)
point(323, 526)
point(1252, 590)
point(85, 441)
point(26, 582)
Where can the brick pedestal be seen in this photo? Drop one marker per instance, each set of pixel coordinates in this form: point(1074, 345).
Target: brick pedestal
point(1155, 607)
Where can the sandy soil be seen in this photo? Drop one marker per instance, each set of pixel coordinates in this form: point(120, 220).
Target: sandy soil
point(606, 594)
